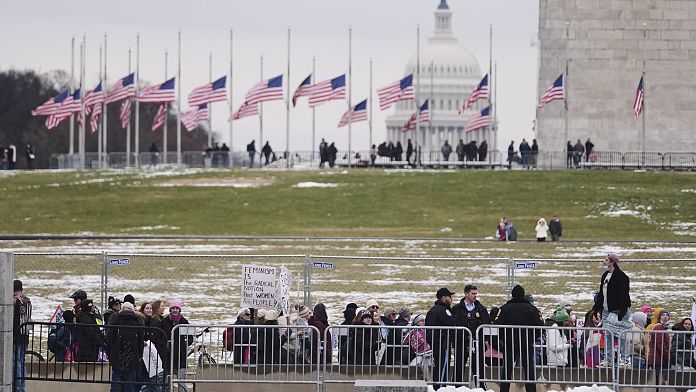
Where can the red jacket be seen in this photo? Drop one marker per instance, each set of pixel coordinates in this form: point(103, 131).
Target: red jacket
point(658, 348)
point(328, 345)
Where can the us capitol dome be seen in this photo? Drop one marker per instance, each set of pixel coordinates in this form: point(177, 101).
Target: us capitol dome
point(455, 75)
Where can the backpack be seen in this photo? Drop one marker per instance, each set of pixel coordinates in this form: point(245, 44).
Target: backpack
point(127, 343)
point(53, 339)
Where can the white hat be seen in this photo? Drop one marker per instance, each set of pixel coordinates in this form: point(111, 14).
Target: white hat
point(127, 306)
point(370, 303)
point(272, 315)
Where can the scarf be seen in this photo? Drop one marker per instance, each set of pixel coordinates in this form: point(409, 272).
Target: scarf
point(19, 295)
point(175, 319)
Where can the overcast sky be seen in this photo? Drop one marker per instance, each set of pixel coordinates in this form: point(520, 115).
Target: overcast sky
point(36, 35)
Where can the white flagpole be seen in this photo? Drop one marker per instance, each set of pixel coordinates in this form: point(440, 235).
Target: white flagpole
point(495, 111)
point(210, 106)
point(71, 148)
point(166, 113)
point(137, 104)
point(99, 135)
point(261, 113)
point(426, 141)
point(82, 102)
point(128, 128)
point(350, 91)
point(104, 107)
point(491, 128)
point(231, 153)
point(287, 109)
point(370, 122)
point(314, 132)
point(430, 101)
point(642, 143)
point(565, 88)
point(178, 104)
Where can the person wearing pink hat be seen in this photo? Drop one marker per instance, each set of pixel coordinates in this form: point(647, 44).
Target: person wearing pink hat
point(176, 348)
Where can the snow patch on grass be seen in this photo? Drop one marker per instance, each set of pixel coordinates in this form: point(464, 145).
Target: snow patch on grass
point(311, 184)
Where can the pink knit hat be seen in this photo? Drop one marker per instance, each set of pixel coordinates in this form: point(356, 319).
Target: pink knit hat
point(614, 258)
point(646, 308)
point(176, 303)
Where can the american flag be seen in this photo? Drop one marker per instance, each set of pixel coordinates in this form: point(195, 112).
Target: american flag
point(328, 90)
point(638, 102)
point(123, 88)
point(303, 90)
point(49, 107)
point(159, 118)
point(555, 92)
point(265, 90)
point(359, 114)
point(481, 92)
point(191, 118)
point(246, 110)
point(125, 114)
point(53, 121)
point(424, 113)
point(479, 120)
point(397, 91)
point(158, 93)
point(94, 120)
point(71, 104)
point(210, 92)
point(92, 98)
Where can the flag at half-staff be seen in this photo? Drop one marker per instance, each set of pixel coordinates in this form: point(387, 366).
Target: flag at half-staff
point(93, 101)
point(554, 92)
point(49, 107)
point(359, 114)
point(245, 110)
point(479, 120)
point(265, 90)
point(159, 117)
point(328, 90)
point(158, 93)
point(123, 88)
point(191, 118)
point(638, 101)
point(421, 115)
point(398, 91)
point(303, 90)
point(125, 113)
point(209, 92)
point(67, 107)
point(481, 92)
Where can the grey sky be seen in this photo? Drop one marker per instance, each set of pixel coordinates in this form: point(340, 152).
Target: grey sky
point(36, 35)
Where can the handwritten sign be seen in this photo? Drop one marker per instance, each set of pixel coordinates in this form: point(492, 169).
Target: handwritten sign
point(283, 296)
point(258, 287)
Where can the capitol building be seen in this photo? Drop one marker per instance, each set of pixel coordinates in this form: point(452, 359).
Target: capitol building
point(455, 75)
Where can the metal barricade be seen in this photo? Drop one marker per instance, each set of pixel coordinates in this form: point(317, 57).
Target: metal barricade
point(649, 160)
point(549, 355)
point(244, 354)
point(680, 160)
point(81, 353)
point(658, 359)
point(437, 355)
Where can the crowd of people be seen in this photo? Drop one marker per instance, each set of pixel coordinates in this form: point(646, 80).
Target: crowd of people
point(9, 156)
point(370, 335)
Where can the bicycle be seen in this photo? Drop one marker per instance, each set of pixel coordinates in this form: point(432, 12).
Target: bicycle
point(202, 349)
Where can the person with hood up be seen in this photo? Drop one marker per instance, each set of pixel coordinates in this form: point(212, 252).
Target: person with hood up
point(519, 343)
point(348, 317)
point(441, 340)
point(416, 340)
point(89, 336)
point(558, 348)
point(320, 320)
point(124, 343)
point(542, 230)
point(614, 297)
point(177, 348)
point(637, 340)
point(658, 347)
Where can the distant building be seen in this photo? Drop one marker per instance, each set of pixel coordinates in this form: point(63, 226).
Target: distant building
point(606, 43)
point(456, 73)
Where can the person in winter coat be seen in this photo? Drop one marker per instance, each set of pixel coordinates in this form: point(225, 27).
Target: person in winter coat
point(637, 340)
point(483, 151)
point(558, 347)
point(66, 338)
point(579, 150)
point(416, 340)
point(20, 335)
point(441, 340)
point(114, 308)
point(542, 230)
point(658, 347)
point(364, 342)
point(398, 151)
point(446, 150)
point(267, 151)
point(518, 344)
point(238, 339)
point(403, 320)
point(570, 153)
point(320, 320)
point(555, 228)
point(89, 336)
point(124, 342)
point(471, 314)
point(681, 350)
point(177, 347)
point(460, 150)
point(614, 297)
point(348, 317)
point(589, 147)
point(332, 151)
point(593, 341)
point(409, 151)
point(269, 345)
point(510, 154)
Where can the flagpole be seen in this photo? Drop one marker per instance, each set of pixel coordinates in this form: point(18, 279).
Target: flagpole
point(178, 104)
point(84, 119)
point(370, 102)
point(166, 113)
point(642, 144)
point(430, 100)
point(210, 106)
point(137, 103)
point(71, 148)
point(491, 128)
point(565, 90)
point(416, 129)
point(350, 92)
point(287, 109)
point(314, 132)
point(105, 90)
point(82, 85)
point(261, 112)
point(128, 128)
point(231, 153)
point(495, 111)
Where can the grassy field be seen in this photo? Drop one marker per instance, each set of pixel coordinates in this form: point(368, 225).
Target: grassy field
point(594, 205)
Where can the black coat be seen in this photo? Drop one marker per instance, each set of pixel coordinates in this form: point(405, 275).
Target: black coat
point(618, 297)
point(178, 347)
point(362, 345)
point(125, 345)
point(556, 228)
point(471, 319)
point(89, 337)
point(519, 312)
point(440, 315)
point(269, 346)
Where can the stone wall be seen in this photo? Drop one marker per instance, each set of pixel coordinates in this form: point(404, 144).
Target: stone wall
point(606, 42)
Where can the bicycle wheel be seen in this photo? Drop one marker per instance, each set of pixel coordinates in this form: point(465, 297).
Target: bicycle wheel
point(35, 357)
point(206, 358)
